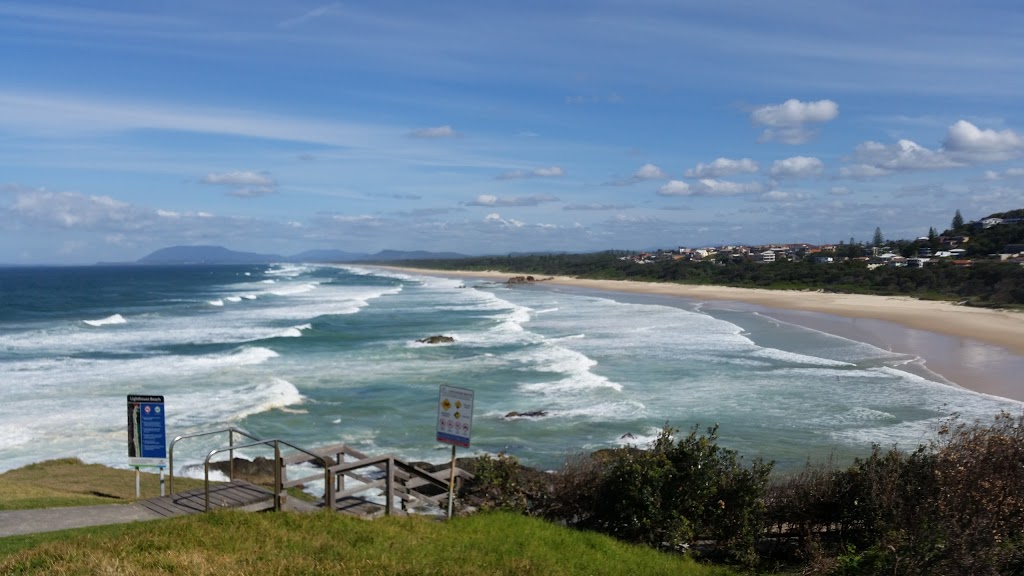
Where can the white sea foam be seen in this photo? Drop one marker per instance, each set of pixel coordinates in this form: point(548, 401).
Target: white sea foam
point(792, 357)
point(295, 289)
point(249, 296)
point(216, 302)
point(108, 321)
point(234, 298)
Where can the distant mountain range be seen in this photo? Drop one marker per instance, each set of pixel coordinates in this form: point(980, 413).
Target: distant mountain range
point(221, 255)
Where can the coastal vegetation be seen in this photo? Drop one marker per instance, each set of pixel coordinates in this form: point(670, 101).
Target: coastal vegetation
point(491, 542)
point(987, 281)
point(954, 505)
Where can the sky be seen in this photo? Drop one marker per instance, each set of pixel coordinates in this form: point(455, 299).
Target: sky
point(486, 127)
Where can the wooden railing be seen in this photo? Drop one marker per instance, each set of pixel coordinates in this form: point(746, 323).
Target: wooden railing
point(346, 473)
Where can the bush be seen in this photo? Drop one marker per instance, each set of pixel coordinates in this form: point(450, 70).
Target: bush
point(675, 494)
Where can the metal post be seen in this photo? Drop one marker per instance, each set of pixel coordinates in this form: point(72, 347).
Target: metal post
point(206, 484)
point(162, 481)
point(389, 486)
point(328, 489)
point(231, 454)
point(451, 486)
point(138, 481)
point(277, 476)
point(170, 464)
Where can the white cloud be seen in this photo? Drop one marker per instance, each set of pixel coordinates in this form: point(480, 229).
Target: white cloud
point(966, 141)
point(650, 172)
point(793, 112)
point(797, 167)
point(492, 200)
point(1014, 173)
point(244, 184)
point(877, 159)
point(239, 179)
point(434, 132)
point(708, 187)
point(780, 196)
point(496, 218)
point(596, 207)
point(545, 172)
point(675, 188)
point(965, 144)
point(787, 122)
point(71, 210)
point(840, 191)
point(723, 167)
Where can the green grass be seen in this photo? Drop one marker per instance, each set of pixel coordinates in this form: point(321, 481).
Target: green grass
point(287, 543)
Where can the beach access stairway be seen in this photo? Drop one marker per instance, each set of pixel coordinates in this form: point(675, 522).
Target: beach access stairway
point(353, 482)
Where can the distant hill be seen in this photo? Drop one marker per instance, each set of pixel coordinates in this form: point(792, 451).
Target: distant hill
point(220, 255)
point(206, 255)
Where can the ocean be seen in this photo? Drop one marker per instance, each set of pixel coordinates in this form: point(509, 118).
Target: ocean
point(318, 354)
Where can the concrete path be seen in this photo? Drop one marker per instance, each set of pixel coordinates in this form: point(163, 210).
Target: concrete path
point(14, 522)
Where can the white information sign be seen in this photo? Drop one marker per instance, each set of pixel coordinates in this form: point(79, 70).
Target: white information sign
point(454, 416)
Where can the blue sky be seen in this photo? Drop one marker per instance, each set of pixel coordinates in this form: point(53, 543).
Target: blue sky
point(491, 127)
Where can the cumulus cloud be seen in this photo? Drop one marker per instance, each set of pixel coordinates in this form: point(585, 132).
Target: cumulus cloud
point(965, 145)
point(491, 200)
point(445, 131)
point(495, 218)
point(708, 187)
point(970, 143)
point(787, 122)
point(721, 167)
point(243, 184)
point(797, 167)
point(71, 210)
point(877, 159)
point(545, 172)
point(675, 188)
point(643, 174)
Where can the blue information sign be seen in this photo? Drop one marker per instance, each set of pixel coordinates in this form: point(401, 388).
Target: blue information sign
point(147, 436)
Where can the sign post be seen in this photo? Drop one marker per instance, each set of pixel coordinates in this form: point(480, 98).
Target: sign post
point(454, 426)
point(147, 436)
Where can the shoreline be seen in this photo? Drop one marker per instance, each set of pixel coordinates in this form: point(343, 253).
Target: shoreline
point(953, 341)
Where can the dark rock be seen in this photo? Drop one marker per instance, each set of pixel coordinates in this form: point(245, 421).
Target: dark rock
point(627, 436)
point(439, 339)
point(534, 414)
point(258, 471)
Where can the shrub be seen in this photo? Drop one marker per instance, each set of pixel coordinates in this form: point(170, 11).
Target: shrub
point(673, 495)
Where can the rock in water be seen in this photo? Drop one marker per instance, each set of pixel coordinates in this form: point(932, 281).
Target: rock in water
point(439, 339)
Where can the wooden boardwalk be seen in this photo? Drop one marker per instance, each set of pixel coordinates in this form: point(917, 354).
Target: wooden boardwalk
point(237, 494)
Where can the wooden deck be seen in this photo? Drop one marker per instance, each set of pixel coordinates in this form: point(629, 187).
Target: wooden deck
point(238, 494)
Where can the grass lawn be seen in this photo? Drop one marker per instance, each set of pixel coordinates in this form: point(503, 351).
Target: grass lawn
point(69, 482)
point(231, 542)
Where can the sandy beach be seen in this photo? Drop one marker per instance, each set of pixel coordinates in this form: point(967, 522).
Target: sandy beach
point(958, 357)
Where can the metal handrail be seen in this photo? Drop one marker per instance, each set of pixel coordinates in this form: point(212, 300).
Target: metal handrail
point(328, 492)
point(231, 444)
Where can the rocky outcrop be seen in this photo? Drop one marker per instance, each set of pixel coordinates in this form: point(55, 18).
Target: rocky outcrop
point(526, 280)
point(439, 339)
point(533, 414)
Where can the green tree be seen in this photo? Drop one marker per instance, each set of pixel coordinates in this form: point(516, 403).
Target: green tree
point(878, 239)
point(933, 240)
point(958, 221)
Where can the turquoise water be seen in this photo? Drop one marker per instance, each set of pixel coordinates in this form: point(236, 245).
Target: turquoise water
point(323, 354)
